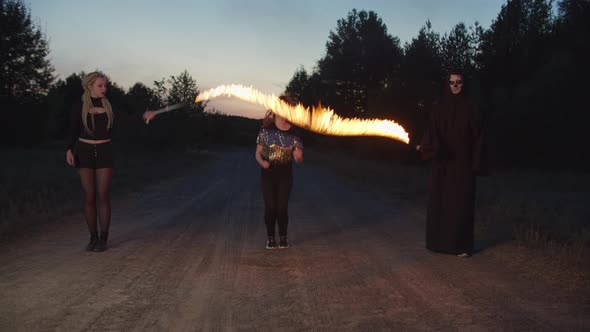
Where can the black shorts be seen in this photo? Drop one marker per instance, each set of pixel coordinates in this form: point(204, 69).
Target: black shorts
point(93, 156)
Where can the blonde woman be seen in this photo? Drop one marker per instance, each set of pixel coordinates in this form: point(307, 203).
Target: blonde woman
point(90, 151)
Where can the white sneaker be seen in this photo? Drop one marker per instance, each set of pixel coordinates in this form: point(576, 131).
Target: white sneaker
point(464, 254)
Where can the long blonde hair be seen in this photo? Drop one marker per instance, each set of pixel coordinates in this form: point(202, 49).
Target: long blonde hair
point(87, 102)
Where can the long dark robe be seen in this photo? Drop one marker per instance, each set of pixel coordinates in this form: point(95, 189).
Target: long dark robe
point(454, 140)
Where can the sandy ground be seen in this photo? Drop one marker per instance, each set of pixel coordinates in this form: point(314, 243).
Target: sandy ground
point(188, 255)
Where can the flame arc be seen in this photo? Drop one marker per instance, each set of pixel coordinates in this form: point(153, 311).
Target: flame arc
point(319, 119)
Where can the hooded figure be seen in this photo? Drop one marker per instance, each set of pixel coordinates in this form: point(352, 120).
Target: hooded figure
point(454, 140)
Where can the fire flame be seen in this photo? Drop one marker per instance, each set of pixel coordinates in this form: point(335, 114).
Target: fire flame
point(320, 119)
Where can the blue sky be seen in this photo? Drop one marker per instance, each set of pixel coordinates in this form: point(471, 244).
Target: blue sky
point(256, 42)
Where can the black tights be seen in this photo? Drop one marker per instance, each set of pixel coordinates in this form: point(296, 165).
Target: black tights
point(276, 187)
point(97, 182)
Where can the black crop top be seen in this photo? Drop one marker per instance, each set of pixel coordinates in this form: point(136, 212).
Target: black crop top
point(77, 130)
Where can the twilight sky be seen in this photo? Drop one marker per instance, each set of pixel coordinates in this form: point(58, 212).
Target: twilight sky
point(256, 42)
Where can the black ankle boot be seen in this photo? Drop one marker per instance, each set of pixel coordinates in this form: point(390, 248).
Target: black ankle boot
point(93, 242)
point(102, 242)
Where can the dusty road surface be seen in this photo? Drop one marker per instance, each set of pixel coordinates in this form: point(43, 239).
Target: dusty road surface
point(187, 255)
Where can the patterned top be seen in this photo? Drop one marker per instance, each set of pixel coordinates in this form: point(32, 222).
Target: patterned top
point(278, 145)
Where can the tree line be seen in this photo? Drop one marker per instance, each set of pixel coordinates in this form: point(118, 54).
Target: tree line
point(526, 71)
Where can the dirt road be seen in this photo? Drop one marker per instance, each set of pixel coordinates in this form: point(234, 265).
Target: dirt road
point(188, 255)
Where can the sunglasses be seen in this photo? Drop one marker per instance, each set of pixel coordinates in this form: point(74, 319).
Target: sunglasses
point(458, 82)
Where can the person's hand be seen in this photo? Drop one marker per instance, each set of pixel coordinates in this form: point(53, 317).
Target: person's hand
point(70, 157)
point(417, 147)
point(265, 164)
point(148, 116)
point(298, 155)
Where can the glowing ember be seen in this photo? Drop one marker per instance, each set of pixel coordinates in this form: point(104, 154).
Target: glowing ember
point(320, 119)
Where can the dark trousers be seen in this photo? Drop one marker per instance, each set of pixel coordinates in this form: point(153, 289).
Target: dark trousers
point(276, 187)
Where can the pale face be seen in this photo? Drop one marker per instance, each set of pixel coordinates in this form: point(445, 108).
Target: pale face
point(98, 88)
point(456, 84)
